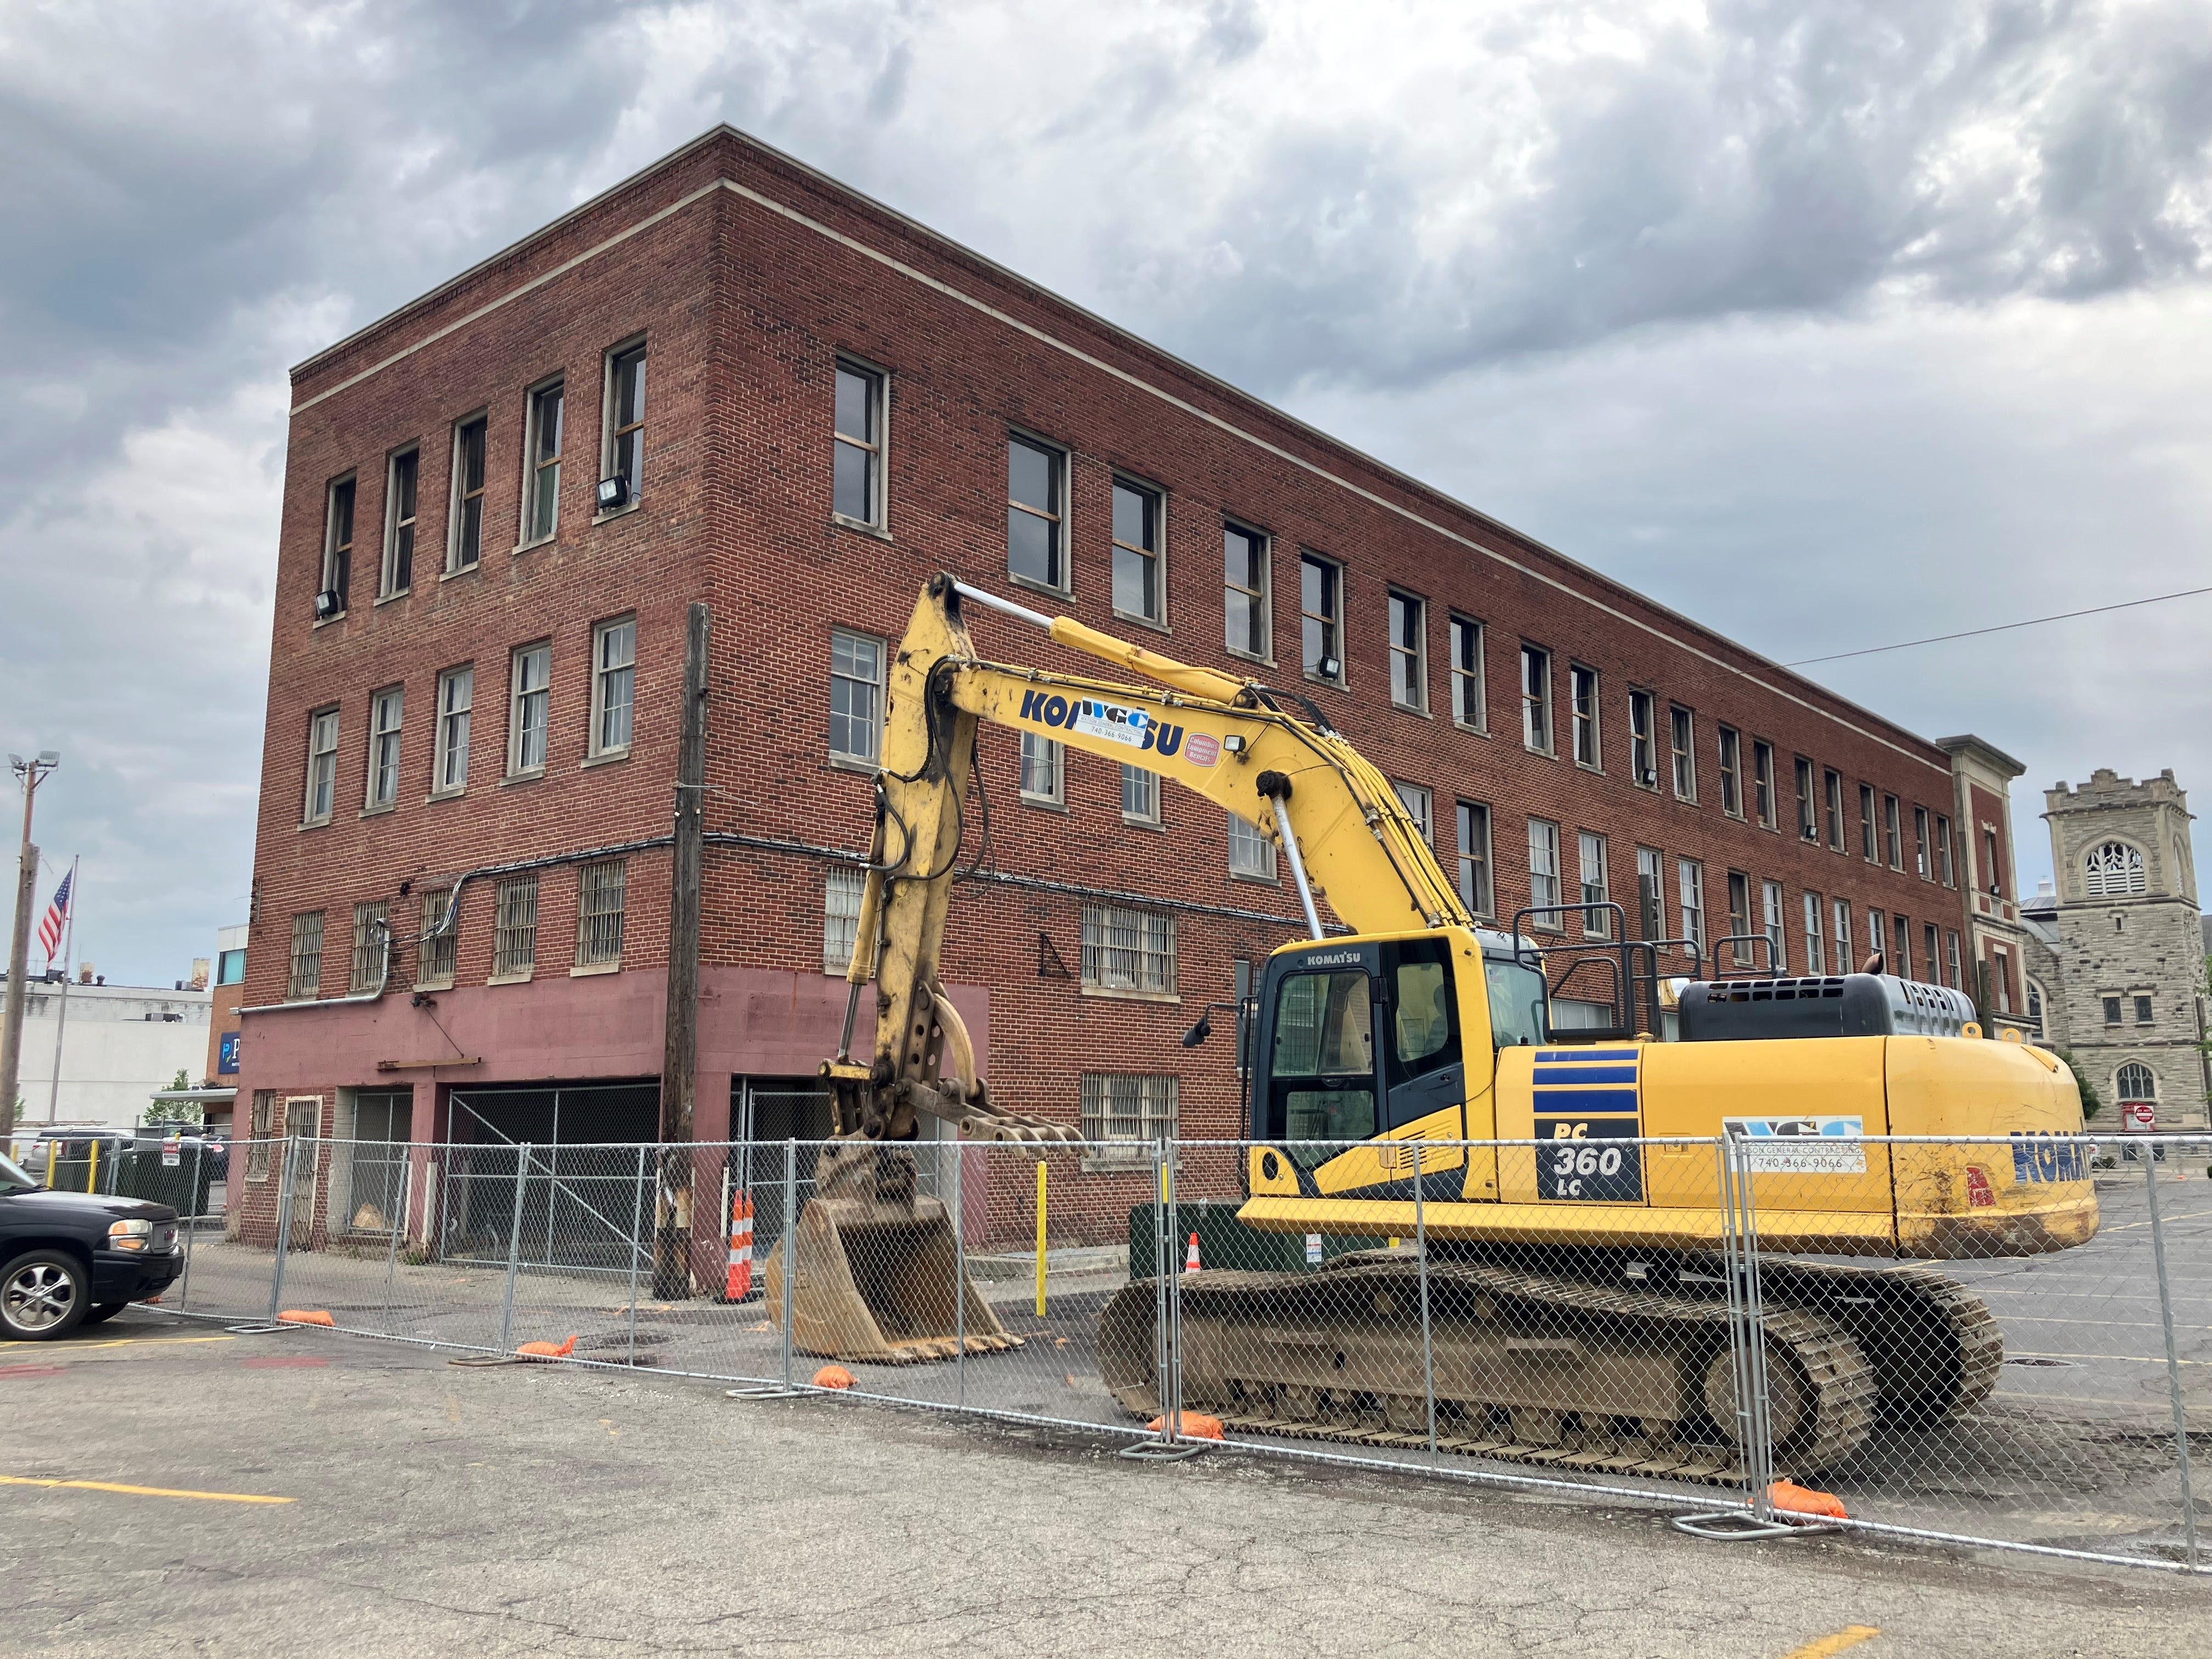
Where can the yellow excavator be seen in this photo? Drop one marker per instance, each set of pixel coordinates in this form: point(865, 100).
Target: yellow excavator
point(1577, 1312)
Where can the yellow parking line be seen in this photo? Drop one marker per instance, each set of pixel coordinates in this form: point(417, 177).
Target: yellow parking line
point(125, 1341)
point(143, 1492)
point(1833, 1645)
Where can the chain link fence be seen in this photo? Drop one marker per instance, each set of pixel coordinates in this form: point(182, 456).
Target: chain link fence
point(1727, 1328)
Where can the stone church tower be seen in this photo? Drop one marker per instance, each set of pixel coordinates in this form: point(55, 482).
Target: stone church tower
point(2128, 955)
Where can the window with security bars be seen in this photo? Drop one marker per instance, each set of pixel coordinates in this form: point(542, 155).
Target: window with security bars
point(1125, 950)
point(306, 976)
point(841, 917)
point(369, 929)
point(1251, 854)
point(515, 928)
point(260, 1128)
point(599, 890)
point(433, 962)
point(1120, 1106)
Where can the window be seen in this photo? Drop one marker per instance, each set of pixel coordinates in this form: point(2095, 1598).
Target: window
point(515, 928)
point(337, 547)
point(541, 491)
point(1952, 976)
point(1409, 668)
point(1843, 917)
point(625, 456)
point(1320, 597)
point(2135, 1082)
point(1932, 952)
point(1923, 855)
point(856, 696)
point(449, 770)
point(1993, 870)
point(384, 715)
point(305, 979)
point(1244, 591)
point(1536, 699)
point(1943, 851)
point(1808, 828)
point(1731, 750)
point(2035, 1009)
point(1041, 772)
point(1544, 873)
point(1140, 795)
point(433, 962)
point(1582, 710)
point(1866, 825)
point(2143, 1014)
point(2000, 972)
point(1251, 854)
point(322, 766)
point(600, 892)
point(1643, 752)
point(1651, 894)
point(1877, 938)
point(1125, 950)
point(1893, 835)
point(1816, 961)
point(2111, 1010)
point(614, 685)
point(1469, 707)
point(465, 534)
point(1417, 801)
point(2113, 871)
point(1739, 903)
point(1686, 761)
point(1690, 877)
point(1123, 1107)
point(370, 930)
point(1771, 905)
point(1832, 783)
point(856, 482)
point(230, 968)
point(400, 474)
point(1475, 891)
point(1901, 934)
point(1596, 924)
point(1036, 476)
point(1138, 591)
point(1762, 785)
point(530, 674)
point(260, 1130)
point(841, 917)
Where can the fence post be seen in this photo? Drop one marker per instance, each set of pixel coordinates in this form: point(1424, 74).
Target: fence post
point(636, 1221)
point(959, 1272)
point(398, 1220)
point(2172, 1356)
point(1167, 1318)
point(192, 1226)
point(514, 1251)
point(283, 1229)
point(790, 1244)
point(1421, 1261)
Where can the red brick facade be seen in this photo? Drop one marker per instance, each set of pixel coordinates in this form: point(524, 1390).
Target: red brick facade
point(748, 276)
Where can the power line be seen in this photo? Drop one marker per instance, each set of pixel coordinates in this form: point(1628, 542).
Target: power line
point(2033, 622)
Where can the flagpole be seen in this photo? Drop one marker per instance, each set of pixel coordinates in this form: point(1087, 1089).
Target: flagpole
point(69, 971)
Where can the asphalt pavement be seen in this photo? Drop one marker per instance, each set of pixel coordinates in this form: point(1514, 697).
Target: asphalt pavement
point(430, 1508)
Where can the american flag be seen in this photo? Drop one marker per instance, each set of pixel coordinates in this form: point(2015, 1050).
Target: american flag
point(50, 930)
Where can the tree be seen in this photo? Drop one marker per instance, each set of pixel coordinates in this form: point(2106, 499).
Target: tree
point(176, 1111)
point(2090, 1103)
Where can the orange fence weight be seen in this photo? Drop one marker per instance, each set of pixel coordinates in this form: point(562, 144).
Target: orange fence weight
point(304, 1316)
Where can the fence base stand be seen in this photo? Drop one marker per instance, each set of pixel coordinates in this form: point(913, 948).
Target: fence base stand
point(258, 1329)
point(1725, 1526)
point(1161, 1451)
point(767, 1391)
point(487, 1359)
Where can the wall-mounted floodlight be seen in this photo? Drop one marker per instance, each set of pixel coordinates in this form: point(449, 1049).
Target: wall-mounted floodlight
point(614, 492)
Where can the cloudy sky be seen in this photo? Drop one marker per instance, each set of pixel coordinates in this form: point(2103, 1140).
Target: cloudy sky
point(1833, 325)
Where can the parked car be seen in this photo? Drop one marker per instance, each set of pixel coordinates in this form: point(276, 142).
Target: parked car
point(71, 1258)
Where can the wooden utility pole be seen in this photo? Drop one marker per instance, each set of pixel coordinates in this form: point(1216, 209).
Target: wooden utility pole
point(679, 1064)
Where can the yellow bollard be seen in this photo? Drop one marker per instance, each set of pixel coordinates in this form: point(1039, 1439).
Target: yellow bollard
point(53, 1151)
point(1040, 1240)
point(92, 1169)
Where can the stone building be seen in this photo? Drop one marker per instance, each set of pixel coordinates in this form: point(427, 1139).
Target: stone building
point(2116, 949)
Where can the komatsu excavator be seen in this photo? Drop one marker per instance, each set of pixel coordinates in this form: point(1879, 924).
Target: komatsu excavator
point(1575, 1311)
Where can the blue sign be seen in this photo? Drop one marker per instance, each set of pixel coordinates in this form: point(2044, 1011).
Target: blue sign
point(226, 1056)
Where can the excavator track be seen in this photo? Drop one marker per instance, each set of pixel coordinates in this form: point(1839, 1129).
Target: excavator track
point(1937, 1350)
point(1531, 1367)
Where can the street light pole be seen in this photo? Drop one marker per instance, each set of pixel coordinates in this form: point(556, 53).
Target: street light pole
point(32, 772)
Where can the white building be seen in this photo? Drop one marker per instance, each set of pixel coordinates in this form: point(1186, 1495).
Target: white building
point(119, 1043)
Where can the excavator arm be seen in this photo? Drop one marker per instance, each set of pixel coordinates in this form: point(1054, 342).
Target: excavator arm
point(1342, 830)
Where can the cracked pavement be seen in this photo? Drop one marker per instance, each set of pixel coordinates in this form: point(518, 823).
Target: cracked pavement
point(538, 1510)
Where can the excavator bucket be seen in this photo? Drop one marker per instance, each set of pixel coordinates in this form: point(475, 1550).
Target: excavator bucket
point(882, 1288)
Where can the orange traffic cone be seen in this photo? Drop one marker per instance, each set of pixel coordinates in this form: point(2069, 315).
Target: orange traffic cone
point(1190, 1257)
point(739, 1286)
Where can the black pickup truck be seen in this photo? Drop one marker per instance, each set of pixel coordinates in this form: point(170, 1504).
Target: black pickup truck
point(71, 1259)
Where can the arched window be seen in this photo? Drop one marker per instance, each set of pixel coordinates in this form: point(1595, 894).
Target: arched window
point(2135, 1082)
point(2035, 1007)
point(2113, 870)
